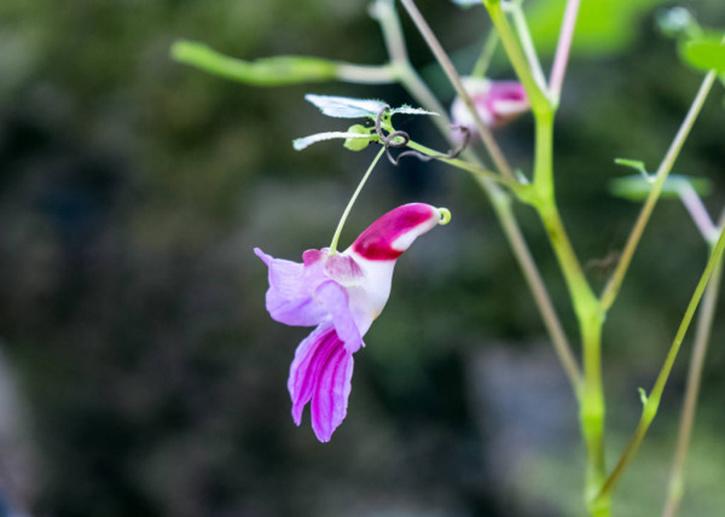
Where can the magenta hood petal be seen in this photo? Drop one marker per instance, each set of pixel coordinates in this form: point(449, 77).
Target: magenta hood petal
point(389, 236)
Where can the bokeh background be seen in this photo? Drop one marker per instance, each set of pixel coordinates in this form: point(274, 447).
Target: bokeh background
point(139, 372)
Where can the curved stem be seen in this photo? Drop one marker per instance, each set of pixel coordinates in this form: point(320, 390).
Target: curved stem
point(652, 402)
point(615, 282)
point(353, 198)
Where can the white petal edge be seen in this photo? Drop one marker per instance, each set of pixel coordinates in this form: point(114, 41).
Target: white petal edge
point(304, 142)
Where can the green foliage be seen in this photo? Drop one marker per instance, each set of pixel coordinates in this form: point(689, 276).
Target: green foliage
point(272, 71)
point(636, 187)
point(705, 53)
point(604, 27)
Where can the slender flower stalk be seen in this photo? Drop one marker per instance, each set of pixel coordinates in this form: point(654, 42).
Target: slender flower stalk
point(486, 56)
point(353, 198)
point(696, 208)
point(615, 281)
point(652, 401)
point(522, 28)
point(561, 59)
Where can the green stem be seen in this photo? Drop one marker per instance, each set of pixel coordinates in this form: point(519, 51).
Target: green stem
point(464, 165)
point(501, 203)
point(445, 62)
point(652, 402)
point(586, 305)
point(537, 95)
point(353, 198)
point(705, 319)
point(487, 52)
point(615, 282)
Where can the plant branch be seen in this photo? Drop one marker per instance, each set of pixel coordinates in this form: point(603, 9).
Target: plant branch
point(615, 282)
point(651, 404)
point(486, 56)
point(561, 59)
point(522, 28)
point(703, 331)
point(445, 62)
point(501, 203)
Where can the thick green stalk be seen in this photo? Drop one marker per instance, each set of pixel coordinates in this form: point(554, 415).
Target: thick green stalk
point(584, 300)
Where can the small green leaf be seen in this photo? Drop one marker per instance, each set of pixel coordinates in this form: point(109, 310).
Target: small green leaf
point(637, 165)
point(636, 187)
point(705, 53)
point(642, 396)
point(271, 71)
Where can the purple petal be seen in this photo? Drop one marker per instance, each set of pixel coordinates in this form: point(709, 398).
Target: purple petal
point(333, 298)
point(305, 366)
point(289, 298)
point(328, 407)
point(321, 372)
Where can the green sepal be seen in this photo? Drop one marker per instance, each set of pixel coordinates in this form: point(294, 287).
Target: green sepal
point(358, 144)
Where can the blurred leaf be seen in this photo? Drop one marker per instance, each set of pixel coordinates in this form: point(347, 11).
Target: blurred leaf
point(603, 27)
point(467, 3)
point(271, 71)
point(706, 53)
point(636, 188)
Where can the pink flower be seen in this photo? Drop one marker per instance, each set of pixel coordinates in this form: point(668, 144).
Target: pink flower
point(341, 295)
point(497, 102)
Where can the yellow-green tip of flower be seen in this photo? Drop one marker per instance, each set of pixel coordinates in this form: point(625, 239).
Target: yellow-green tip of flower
point(445, 216)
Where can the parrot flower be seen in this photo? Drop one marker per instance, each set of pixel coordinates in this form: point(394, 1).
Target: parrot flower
point(497, 102)
point(340, 294)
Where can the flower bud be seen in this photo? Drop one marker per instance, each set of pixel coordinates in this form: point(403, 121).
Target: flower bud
point(497, 102)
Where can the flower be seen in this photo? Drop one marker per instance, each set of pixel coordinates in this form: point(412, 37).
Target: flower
point(497, 102)
point(341, 294)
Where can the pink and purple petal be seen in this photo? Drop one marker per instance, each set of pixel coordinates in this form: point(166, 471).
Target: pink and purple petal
point(333, 298)
point(288, 298)
point(305, 366)
point(328, 407)
point(321, 373)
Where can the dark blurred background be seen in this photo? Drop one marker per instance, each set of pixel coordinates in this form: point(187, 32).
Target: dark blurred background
point(139, 372)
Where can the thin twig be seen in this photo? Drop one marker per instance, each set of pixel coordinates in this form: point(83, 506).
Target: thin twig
point(615, 282)
point(561, 59)
point(705, 319)
point(484, 132)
